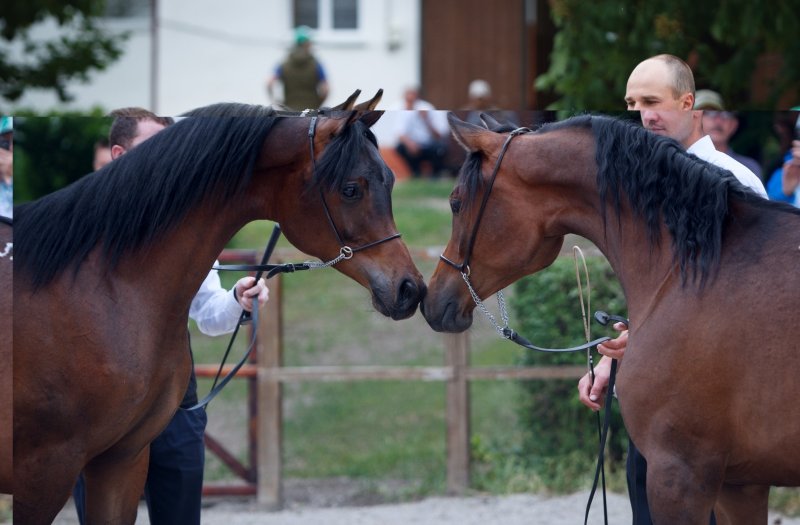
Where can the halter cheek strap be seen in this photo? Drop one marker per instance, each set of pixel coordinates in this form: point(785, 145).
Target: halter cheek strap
point(345, 251)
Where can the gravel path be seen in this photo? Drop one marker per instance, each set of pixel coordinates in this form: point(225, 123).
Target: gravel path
point(520, 509)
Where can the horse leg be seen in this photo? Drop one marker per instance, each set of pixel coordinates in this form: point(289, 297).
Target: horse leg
point(42, 482)
point(114, 487)
point(742, 505)
point(678, 492)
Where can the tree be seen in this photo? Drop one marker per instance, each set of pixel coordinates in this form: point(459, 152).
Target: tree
point(745, 50)
point(80, 47)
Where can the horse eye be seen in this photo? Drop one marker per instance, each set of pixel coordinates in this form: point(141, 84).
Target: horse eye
point(351, 191)
point(455, 205)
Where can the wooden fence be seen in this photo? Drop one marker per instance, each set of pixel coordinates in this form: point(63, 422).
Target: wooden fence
point(266, 375)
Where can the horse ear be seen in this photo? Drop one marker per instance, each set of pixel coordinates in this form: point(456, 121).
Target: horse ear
point(489, 121)
point(348, 104)
point(471, 137)
point(370, 104)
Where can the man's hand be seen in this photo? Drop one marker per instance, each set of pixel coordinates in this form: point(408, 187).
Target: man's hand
point(593, 394)
point(246, 289)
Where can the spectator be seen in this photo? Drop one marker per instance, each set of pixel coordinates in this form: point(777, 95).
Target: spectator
point(305, 85)
point(6, 167)
point(721, 126)
point(784, 183)
point(102, 154)
point(480, 101)
point(423, 134)
point(174, 483)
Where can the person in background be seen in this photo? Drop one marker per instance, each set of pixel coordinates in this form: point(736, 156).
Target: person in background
point(305, 84)
point(721, 126)
point(7, 167)
point(423, 132)
point(102, 153)
point(662, 89)
point(173, 489)
point(784, 183)
point(480, 100)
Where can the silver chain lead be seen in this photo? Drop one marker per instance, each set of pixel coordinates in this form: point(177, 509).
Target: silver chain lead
point(345, 253)
point(501, 301)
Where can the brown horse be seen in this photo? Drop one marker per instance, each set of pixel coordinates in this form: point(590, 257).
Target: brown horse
point(708, 388)
point(107, 267)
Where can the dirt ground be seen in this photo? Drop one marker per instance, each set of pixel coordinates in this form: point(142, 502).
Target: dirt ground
point(339, 502)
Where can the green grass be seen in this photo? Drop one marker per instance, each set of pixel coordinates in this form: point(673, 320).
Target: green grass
point(388, 430)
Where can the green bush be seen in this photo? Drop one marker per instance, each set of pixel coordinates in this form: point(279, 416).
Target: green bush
point(53, 151)
point(556, 426)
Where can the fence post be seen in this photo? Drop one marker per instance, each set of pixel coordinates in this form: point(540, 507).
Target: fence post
point(457, 358)
point(270, 358)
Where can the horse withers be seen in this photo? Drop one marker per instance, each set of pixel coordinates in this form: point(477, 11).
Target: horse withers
point(710, 273)
point(107, 267)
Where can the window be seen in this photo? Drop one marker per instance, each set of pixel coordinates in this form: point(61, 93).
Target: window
point(326, 15)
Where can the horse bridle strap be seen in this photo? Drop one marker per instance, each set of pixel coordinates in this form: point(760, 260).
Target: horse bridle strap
point(345, 251)
point(464, 266)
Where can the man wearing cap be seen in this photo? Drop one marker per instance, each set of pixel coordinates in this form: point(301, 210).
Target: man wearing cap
point(721, 125)
point(662, 89)
point(305, 85)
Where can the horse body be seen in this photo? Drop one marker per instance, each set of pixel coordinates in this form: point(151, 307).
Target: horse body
point(6, 414)
point(707, 388)
point(102, 356)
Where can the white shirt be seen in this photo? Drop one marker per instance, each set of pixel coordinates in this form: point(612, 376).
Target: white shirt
point(410, 123)
point(704, 149)
point(214, 309)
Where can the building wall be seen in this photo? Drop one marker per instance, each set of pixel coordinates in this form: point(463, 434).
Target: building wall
point(224, 52)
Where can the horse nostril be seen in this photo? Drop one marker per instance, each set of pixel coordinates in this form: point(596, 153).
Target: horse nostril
point(408, 292)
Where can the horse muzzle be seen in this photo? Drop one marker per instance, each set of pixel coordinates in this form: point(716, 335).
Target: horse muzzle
point(400, 301)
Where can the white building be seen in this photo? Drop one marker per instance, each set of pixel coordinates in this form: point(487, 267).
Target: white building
point(208, 51)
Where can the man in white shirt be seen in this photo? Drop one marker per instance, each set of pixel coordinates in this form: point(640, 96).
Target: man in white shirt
point(177, 456)
point(423, 133)
point(662, 89)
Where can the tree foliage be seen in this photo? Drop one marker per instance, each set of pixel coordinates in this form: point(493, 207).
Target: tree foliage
point(53, 151)
point(547, 305)
point(599, 43)
point(79, 46)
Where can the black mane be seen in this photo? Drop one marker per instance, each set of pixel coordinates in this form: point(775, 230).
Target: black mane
point(662, 183)
point(144, 193)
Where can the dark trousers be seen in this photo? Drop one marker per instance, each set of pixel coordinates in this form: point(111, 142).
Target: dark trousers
point(636, 472)
point(432, 153)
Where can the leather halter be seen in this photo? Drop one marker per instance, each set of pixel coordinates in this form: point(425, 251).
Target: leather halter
point(345, 250)
point(464, 266)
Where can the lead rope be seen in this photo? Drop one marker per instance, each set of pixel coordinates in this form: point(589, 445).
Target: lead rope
point(580, 260)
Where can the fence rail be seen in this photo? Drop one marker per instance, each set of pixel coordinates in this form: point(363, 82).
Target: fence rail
point(266, 375)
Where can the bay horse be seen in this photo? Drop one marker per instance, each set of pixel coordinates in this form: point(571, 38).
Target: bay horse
point(107, 267)
point(711, 273)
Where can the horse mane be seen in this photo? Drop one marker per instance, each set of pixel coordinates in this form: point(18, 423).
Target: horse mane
point(663, 184)
point(144, 193)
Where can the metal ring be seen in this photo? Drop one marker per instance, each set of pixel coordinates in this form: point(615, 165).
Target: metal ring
point(467, 271)
point(346, 252)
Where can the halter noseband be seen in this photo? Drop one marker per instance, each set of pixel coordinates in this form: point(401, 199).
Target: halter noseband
point(345, 251)
point(464, 266)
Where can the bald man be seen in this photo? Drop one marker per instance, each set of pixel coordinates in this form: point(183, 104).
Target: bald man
point(662, 89)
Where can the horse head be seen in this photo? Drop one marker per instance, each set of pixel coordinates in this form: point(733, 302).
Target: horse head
point(337, 201)
point(498, 233)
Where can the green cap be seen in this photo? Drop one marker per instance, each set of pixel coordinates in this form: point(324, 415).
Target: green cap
point(302, 34)
point(6, 125)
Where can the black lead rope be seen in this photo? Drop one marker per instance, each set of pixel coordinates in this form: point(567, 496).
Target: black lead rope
point(244, 318)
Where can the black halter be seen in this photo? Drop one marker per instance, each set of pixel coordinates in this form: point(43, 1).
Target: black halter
point(464, 266)
point(345, 250)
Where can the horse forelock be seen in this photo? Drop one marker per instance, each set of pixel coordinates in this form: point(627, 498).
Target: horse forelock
point(144, 193)
point(343, 155)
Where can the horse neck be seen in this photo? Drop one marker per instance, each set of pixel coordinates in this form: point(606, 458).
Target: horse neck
point(170, 270)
